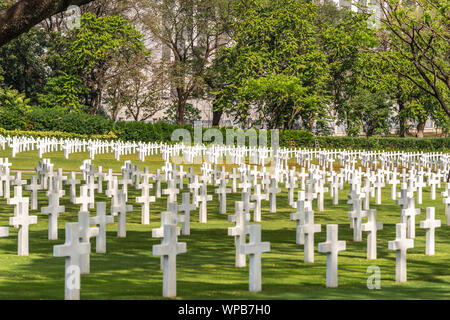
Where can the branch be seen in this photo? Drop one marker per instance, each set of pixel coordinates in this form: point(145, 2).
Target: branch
point(25, 14)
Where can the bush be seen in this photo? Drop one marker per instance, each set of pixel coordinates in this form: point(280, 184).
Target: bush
point(55, 119)
point(13, 109)
point(56, 134)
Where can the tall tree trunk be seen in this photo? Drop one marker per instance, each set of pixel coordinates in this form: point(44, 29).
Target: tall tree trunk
point(401, 118)
point(180, 110)
point(217, 115)
point(420, 129)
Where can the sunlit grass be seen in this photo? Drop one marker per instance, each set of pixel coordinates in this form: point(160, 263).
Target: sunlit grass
point(129, 271)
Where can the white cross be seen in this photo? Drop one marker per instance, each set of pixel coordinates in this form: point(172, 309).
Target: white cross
point(22, 221)
point(308, 229)
point(72, 182)
point(255, 248)
point(72, 250)
point(101, 219)
point(186, 207)
point(408, 216)
point(172, 191)
point(331, 247)
point(53, 210)
point(400, 245)
point(239, 231)
point(194, 187)
point(222, 192)
point(85, 199)
point(273, 190)
point(203, 198)
point(145, 199)
point(86, 232)
point(34, 187)
point(122, 208)
point(299, 216)
point(372, 226)
point(430, 224)
point(157, 178)
point(257, 197)
point(168, 249)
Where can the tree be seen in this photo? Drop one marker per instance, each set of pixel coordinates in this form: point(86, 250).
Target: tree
point(276, 67)
point(420, 33)
point(22, 15)
point(191, 32)
point(24, 63)
point(139, 89)
point(93, 50)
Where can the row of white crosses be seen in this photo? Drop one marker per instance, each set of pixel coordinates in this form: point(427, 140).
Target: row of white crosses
point(272, 190)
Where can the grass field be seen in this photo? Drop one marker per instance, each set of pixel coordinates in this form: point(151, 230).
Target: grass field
point(129, 271)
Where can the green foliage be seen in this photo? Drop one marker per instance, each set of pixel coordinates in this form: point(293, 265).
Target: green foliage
point(64, 92)
point(14, 107)
point(276, 65)
point(190, 114)
point(57, 119)
point(369, 110)
point(100, 39)
point(147, 132)
point(56, 134)
point(23, 62)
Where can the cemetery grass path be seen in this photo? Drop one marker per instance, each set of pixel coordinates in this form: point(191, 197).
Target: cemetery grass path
point(129, 271)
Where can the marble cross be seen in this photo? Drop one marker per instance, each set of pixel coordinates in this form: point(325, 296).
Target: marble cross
point(400, 245)
point(308, 229)
point(239, 231)
point(257, 197)
point(194, 187)
point(145, 199)
point(86, 233)
point(203, 198)
point(408, 216)
point(222, 192)
point(53, 210)
point(84, 199)
point(331, 247)
point(273, 190)
point(255, 248)
point(122, 208)
point(394, 181)
point(233, 176)
point(158, 177)
point(101, 219)
point(186, 207)
point(430, 224)
point(34, 187)
point(72, 250)
point(22, 221)
point(172, 191)
point(299, 216)
point(168, 249)
point(372, 226)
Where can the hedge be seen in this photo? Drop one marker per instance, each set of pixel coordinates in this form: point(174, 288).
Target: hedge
point(52, 122)
point(56, 134)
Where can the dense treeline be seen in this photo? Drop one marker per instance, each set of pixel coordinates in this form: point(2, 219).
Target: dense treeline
point(266, 64)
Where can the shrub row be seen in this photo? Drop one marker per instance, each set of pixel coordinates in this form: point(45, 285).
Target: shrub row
point(56, 134)
point(52, 122)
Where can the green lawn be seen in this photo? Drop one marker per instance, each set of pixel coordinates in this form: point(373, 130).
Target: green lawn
point(129, 271)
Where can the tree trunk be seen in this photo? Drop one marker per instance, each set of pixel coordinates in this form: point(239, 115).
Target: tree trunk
point(401, 119)
point(420, 129)
point(25, 14)
point(180, 110)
